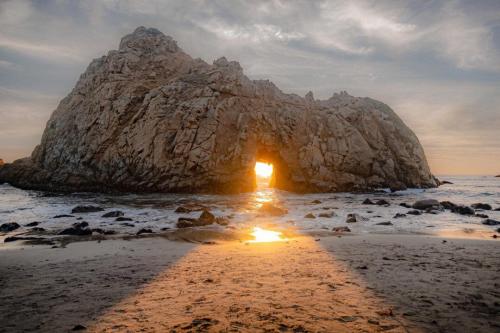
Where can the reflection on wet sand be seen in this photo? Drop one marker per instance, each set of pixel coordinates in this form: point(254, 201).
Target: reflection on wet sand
point(284, 286)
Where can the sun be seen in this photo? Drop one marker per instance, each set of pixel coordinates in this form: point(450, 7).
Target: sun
point(263, 170)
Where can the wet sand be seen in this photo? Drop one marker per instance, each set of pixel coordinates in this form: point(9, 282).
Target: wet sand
point(358, 283)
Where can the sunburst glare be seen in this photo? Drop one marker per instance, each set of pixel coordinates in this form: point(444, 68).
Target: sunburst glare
point(263, 170)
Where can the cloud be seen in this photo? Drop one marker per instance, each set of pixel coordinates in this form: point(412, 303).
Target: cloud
point(466, 39)
point(6, 64)
point(357, 22)
point(15, 12)
point(254, 33)
point(47, 52)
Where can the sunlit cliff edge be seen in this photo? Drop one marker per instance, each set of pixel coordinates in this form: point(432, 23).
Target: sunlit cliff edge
point(148, 117)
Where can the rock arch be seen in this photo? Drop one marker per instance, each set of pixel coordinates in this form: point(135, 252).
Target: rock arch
point(148, 117)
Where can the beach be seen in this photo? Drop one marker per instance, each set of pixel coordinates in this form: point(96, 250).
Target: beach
point(358, 283)
point(249, 166)
point(345, 262)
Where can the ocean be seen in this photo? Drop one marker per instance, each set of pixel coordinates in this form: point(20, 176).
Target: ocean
point(156, 211)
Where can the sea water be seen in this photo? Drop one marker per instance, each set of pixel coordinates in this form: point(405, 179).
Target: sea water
point(156, 211)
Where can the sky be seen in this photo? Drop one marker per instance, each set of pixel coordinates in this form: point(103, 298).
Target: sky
point(436, 63)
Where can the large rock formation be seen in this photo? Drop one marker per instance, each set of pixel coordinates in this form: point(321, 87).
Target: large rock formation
point(148, 117)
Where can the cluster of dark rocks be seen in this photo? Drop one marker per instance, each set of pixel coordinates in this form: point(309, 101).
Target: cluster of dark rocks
point(205, 218)
point(433, 206)
point(471, 211)
point(380, 202)
point(82, 228)
point(428, 205)
point(78, 229)
point(12, 226)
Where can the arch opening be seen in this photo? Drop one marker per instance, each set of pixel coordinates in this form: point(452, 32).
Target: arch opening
point(264, 174)
point(270, 170)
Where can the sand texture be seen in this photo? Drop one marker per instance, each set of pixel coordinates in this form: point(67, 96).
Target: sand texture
point(367, 283)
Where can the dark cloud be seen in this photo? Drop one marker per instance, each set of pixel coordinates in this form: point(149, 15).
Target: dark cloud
point(436, 63)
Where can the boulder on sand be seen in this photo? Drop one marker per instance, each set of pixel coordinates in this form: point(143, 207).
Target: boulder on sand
point(270, 209)
point(116, 213)
point(81, 224)
point(149, 117)
point(8, 227)
point(384, 223)
point(62, 216)
point(221, 220)
point(341, 229)
point(187, 222)
point(353, 217)
point(426, 204)
point(382, 202)
point(86, 209)
point(206, 218)
point(448, 205)
point(144, 231)
point(76, 231)
point(482, 206)
point(32, 224)
point(190, 207)
point(463, 210)
point(491, 222)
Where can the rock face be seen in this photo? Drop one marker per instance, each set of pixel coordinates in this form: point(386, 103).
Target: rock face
point(148, 117)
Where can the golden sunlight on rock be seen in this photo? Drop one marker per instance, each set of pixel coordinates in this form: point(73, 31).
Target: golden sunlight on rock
point(266, 236)
point(263, 170)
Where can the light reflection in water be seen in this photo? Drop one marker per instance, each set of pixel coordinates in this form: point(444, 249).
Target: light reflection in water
point(264, 195)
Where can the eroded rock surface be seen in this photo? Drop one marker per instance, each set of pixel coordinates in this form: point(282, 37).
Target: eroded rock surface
point(148, 117)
